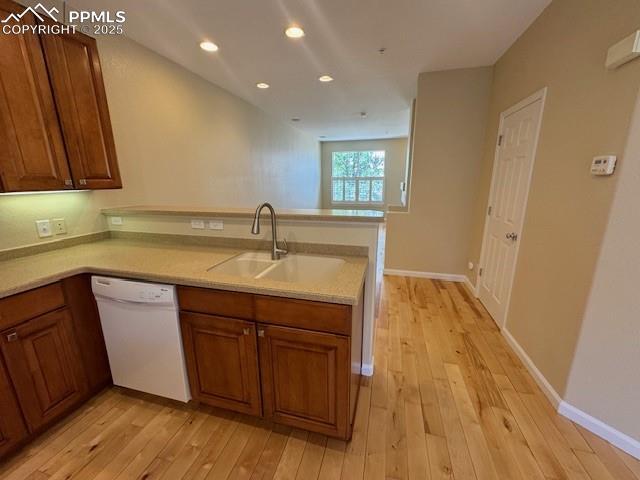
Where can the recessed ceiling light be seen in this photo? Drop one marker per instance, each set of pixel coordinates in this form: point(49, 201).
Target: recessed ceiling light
point(325, 78)
point(262, 85)
point(294, 32)
point(208, 46)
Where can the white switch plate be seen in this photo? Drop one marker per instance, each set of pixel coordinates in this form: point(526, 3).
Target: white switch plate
point(44, 228)
point(604, 165)
point(216, 225)
point(59, 226)
point(116, 220)
point(197, 224)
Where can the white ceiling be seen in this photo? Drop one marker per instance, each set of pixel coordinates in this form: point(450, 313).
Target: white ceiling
point(342, 39)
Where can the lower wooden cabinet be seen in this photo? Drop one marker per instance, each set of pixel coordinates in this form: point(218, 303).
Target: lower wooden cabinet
point(88, 330)
point(305, 379)
point(222, 361)
point(44, 365)
point(12, 427)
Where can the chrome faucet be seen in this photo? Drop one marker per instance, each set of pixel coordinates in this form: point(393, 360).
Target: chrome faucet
point(276, 252)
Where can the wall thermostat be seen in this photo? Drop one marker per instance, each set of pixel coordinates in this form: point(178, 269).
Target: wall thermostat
point(604, 165)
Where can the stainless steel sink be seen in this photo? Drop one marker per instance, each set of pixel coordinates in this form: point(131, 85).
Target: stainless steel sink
point(293, 268)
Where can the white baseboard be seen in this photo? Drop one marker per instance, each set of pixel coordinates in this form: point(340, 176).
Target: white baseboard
point(449, 277)
point(598, 427)
point(470, 286)
point(537, 375)
point(610, 434)
point(367, 369)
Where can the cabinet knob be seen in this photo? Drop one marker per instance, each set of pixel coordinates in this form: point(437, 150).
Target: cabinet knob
point(246, 331)
point(12, 337)
point(260, 332)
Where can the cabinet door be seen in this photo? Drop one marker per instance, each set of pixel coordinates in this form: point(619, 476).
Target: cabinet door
point(45, 368)
point(76, 76)
point(88, 330)
point(222, 361)
point(12, 428)
point(305, 379)
point(32, 153)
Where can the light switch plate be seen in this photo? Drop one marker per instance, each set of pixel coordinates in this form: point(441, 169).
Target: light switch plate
point(59, 226)
point(116, 220)
point(44, 228)
point(603, 165)
point(197, 224)
point(216, 225)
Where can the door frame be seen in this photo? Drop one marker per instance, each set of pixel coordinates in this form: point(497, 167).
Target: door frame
point(539, 95)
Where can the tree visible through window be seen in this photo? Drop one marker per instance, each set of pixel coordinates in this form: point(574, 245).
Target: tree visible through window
point(357, 177)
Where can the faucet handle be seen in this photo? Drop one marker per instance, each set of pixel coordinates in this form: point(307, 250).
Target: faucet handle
point(285, 248)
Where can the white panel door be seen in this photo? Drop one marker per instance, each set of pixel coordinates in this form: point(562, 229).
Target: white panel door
point(507, 203)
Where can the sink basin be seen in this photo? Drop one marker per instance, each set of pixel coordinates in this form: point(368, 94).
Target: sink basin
point(291, 268)
point(247, 265)
point(303, 269)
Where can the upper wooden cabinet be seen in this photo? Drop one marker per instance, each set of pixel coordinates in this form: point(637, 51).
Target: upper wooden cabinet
point(76, 77)
point(55, 129)
point(32, 152)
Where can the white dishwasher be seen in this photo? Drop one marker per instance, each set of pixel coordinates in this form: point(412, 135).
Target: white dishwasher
point(141, 328)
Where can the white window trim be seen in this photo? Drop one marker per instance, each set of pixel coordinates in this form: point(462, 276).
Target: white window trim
point(356, 201)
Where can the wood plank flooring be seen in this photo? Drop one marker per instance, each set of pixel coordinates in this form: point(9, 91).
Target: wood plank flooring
point(449, 400)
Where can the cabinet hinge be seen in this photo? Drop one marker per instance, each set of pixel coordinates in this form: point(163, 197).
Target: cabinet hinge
point(489, 210)
point(480, 272)
point(499, 140)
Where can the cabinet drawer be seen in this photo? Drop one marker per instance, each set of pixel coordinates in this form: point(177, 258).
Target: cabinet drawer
point(216, 302)
point(320, 316)
point(22, 307)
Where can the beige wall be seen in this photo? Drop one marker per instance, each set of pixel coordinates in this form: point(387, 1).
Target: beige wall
point(394, 167)
point(180, 140)
point(587, 113)
point(449, 132)
point(605, 376)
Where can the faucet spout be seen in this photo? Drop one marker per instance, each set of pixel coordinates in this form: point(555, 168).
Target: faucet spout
point(276, 252)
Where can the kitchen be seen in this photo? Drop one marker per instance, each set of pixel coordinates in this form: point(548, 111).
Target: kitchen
point(226, 258)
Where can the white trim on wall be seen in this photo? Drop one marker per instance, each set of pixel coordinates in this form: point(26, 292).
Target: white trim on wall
point(594, 425)
point(537, 375)
point(449, 277)
point(367, 369)
point(598, 427)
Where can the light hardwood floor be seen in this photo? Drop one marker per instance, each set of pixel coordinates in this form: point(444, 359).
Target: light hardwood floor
point(449, 399)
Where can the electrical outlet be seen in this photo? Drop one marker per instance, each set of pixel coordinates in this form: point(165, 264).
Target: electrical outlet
point(59, 226)
point(197, 224)
point(216, 225)
point(44, 228)
point(116, 220)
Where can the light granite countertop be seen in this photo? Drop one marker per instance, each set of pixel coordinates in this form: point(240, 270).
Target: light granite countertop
point(170, 263)
point(325, 215)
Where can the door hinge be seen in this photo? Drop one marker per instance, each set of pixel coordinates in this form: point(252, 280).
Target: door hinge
point(489, 210)
point(480, 272)
point(499, 140)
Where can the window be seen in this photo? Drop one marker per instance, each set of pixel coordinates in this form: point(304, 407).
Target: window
point(357, 177)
